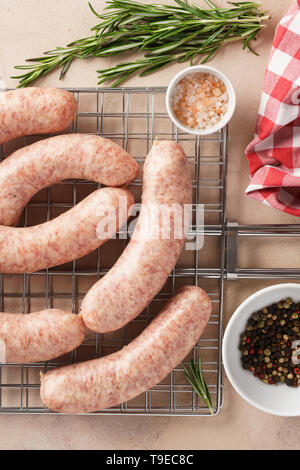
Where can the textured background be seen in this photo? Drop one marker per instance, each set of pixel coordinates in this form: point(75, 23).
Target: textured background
point(28, 27)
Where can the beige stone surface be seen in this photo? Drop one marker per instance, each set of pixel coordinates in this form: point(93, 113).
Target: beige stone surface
point(28, 27)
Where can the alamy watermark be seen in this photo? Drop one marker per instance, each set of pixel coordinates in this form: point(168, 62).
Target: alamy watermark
point(153, 222)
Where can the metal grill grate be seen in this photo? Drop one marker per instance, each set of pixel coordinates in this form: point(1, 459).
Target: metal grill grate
point(132, 117)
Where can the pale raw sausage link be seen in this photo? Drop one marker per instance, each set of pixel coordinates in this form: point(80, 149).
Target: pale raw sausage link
point(67, 237)
point(106, 382)
point(144, 266)
point(39, 336)
point(52, 160)
point(35, 111)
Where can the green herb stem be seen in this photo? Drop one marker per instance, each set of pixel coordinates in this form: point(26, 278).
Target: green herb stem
point(194, 376)
point(162, 33)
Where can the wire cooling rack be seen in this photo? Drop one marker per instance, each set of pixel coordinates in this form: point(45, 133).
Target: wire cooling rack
point(134, 118)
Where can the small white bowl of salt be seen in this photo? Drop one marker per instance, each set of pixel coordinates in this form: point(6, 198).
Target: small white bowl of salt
point(200, 100)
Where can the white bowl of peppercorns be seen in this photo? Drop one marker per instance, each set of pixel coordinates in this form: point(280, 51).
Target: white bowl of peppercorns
point(261, 350)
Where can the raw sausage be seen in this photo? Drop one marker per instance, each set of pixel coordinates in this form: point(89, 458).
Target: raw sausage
point(69, 236)
point(144, 266)
point(39, 336)
point(106, 382)
point(52, 160)
point(35, 111)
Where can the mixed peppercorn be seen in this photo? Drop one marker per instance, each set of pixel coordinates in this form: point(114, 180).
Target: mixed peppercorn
point(267, 344)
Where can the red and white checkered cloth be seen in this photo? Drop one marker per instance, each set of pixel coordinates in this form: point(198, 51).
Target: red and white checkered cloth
point(274, 154)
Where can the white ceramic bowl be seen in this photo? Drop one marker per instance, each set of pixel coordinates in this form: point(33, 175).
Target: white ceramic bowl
point(278, 400)
point(231, 99)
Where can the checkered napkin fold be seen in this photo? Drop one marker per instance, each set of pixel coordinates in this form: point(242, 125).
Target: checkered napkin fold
point(274, 154)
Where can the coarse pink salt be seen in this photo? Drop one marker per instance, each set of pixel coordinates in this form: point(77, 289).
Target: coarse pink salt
point(200, 100)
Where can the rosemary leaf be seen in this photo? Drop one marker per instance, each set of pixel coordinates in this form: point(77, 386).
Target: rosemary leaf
point(194, 376)
point(162, 33)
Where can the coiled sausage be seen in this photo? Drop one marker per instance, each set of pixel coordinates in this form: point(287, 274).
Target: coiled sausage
point(35, 111)
point(106, 382)
point(144, 266)
point(69, 236)
point(39, 336)
point(52, 160)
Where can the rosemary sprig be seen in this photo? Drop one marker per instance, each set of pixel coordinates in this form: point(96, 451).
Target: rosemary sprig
point(194, 375)
point(162, 33)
